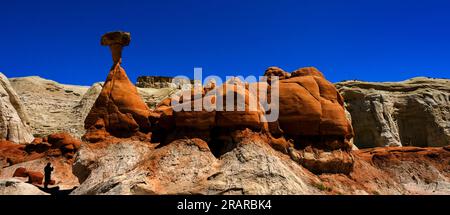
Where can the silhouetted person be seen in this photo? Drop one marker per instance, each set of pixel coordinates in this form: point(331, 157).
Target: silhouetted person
point(48, 174)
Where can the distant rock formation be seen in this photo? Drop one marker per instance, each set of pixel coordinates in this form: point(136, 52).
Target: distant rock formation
point(50, 105)
point(14, 122)
point(159, 82)
point(415, 112)
point(118, 110)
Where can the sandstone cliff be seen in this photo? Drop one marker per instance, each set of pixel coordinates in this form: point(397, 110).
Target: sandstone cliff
point(14, 122)
point(414, 112)
point(49, 104)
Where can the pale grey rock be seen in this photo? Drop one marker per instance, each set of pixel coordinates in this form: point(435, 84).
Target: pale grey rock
point(14, 122)
point(409, 174)
point(85, 104)
point(254, 168)
point(95, 165)
point(49, 105)
point(188, 167)
point(415, 112)
point(152, 96)
point(14, 186)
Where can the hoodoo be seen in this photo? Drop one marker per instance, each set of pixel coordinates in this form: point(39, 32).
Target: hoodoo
point(119, 110)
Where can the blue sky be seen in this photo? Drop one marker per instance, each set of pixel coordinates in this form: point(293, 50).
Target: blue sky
point(346, 39)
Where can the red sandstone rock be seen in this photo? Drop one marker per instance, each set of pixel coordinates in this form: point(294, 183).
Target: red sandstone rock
point(118, 110)
point(63, 140)
point(199, 120)
point(300, 109)
point(233, 119)
point(20, 172)
point(11, 153)
point(307, 71)
point(60, 144)
point(276, 71)
point(35, 177)
point(311, 106)
point(37, 140)
point(238, 119)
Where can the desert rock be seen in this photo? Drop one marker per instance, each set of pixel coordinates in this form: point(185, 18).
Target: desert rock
point(118, 110)
point(14, 122)
point(17, 187)
point(50, 105)
point(187, 166)
point(415, 112)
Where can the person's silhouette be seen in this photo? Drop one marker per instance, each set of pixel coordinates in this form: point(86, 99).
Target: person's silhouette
point(48, 174)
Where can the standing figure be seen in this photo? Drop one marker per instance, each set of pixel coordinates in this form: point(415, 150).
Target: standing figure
point(48, 174)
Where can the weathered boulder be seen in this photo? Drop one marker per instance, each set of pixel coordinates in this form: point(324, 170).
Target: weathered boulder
point(16, 187)
point(312, 126)
point(62, 174)
point(60, 145)
point(14, 122)
point(87, 101)
point(11, 153)
point(310, 105)
point(241, 116)
point(215, 118)
point(312, 109)
point(65, 143)
point(35, 177)
point(97, 163)
point(415, 112)
point(276, 71)
point(20, 172)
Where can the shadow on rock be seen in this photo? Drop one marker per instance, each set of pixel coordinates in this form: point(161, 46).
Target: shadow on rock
point(56, 191)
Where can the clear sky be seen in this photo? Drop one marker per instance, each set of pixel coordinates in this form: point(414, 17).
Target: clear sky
point(382, 40)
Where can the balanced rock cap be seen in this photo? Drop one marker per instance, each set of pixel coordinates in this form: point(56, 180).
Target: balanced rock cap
point(116, 37)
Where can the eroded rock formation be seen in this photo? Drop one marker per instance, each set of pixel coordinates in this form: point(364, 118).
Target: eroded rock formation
point(311, 115)
point(55, 145)
point(14, 122)
point(187, 166)
point(118, 110)
point(308, 150)
point(159, 82)
point(12, 186)
point(415, 112)
point(50, 105)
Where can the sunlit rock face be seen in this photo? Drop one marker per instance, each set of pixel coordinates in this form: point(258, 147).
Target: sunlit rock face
point(14, 122)
point(415, 112)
